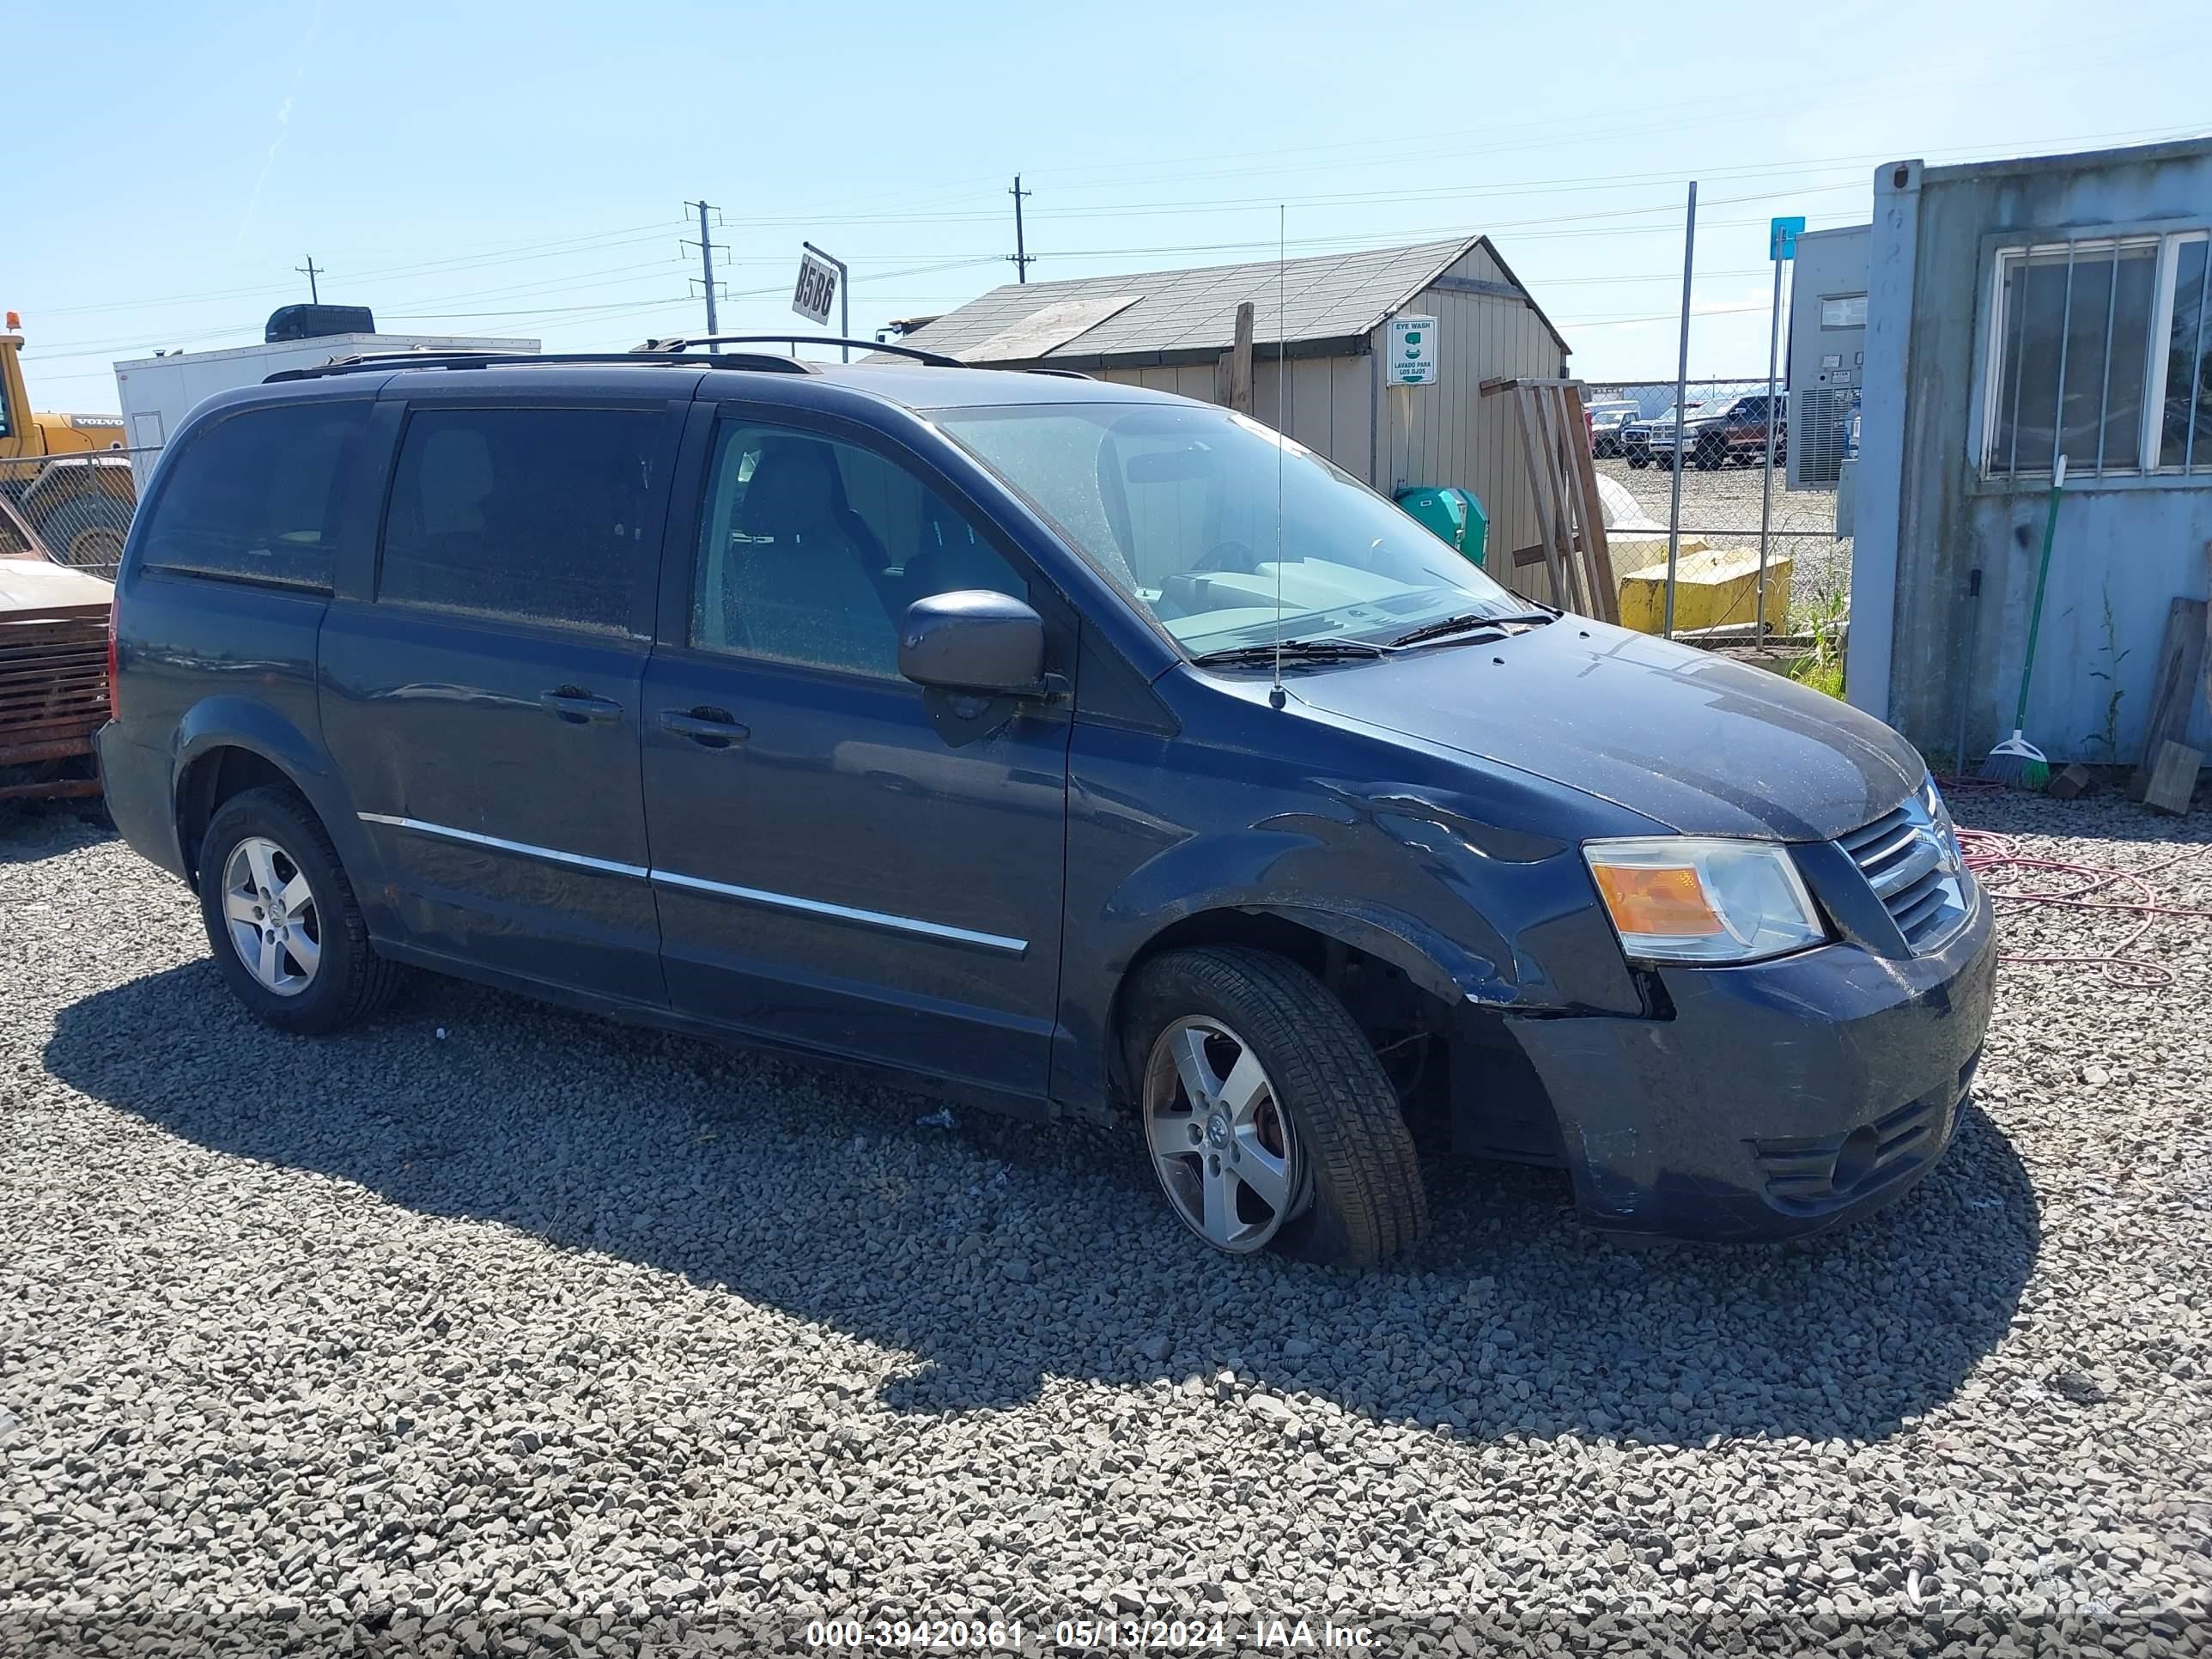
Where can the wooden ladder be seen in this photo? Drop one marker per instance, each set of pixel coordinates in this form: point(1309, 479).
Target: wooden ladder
point(1563, 482)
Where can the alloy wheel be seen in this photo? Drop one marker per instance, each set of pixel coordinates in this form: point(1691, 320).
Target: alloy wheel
point(1222, 1144)
point(270, 914)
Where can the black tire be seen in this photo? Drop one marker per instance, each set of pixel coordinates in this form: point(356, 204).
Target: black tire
point(351, 982)
point(1710, 457)
point(1364, 1197)
point(1639, 462)
point(87, 532)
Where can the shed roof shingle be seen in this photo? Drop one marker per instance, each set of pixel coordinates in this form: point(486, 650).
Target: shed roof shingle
point(1325, 297)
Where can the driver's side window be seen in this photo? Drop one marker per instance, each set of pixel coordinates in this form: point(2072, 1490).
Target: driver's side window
point(811, 548)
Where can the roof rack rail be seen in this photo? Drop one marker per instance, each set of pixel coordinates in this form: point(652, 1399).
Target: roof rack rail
point(365, 361)
point(682, 341)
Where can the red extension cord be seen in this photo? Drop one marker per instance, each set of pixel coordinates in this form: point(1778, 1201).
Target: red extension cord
point(1988, 852)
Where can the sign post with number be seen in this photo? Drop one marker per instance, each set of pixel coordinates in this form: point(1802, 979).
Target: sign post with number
point(1782, 234)
point(822, 280)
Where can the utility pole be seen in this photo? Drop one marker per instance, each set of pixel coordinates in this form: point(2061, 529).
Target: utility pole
point(1021, 253)
point(310, 270)
point(707, 260)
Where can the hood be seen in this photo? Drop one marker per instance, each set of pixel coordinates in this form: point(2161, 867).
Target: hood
point(1687, 738)
point(31, 586)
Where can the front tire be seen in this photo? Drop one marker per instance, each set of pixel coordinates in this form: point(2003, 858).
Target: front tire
point(281, 919)
point(1269, 1122)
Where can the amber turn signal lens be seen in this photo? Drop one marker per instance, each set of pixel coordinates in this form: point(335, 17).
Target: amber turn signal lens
point(1667, 900)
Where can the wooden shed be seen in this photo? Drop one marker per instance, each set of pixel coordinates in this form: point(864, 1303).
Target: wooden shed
point(1329, 316)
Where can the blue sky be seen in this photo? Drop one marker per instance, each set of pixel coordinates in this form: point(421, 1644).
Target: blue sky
point(474, 168)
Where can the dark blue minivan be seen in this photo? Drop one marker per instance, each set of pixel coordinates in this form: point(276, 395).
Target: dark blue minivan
point(1081, 751)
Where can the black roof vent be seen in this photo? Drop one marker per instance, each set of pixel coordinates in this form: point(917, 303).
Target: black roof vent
point(313, 322)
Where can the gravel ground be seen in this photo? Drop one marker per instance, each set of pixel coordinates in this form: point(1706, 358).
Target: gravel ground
point(495, 1329)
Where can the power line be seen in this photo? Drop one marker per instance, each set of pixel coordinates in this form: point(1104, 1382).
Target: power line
point(567, 247)
point(1424, 146)
point(562, 248)
point(1531, 228)
point(308, 271)
point(1800, 168)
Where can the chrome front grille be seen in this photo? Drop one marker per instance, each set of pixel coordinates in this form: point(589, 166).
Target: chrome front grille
point(1910, 857)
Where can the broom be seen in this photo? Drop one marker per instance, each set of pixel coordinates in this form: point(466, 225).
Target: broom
point(2016, 761)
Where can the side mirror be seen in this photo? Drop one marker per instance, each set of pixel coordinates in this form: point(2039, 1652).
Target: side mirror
point(973, 640)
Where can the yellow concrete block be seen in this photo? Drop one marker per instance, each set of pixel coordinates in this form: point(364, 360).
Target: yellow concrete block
point(1713, 587)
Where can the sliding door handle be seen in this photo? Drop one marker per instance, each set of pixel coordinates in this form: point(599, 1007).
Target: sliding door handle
point(578, 707)
point(710, 728)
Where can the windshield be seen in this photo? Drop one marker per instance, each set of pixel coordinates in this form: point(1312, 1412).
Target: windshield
point(1176, 504)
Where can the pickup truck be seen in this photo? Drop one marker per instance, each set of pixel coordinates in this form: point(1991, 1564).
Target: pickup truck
point(1723, 431)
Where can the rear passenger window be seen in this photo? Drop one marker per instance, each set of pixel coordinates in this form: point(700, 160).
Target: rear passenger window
point(255, 497)
point(539, 514)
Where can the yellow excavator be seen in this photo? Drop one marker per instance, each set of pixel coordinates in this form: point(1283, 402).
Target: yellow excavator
point(65, 483)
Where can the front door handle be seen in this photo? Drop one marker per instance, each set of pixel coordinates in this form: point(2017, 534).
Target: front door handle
point(710, 728)
point(577, 706)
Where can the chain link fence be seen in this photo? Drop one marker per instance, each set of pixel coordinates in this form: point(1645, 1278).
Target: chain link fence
point(73, 509)
point(1732, 507)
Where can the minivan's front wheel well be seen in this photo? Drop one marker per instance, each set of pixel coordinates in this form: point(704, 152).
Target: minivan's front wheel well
point(1407, 1026)
point(210, 781)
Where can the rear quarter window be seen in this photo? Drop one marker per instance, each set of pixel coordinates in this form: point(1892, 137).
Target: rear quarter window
point(256, 496)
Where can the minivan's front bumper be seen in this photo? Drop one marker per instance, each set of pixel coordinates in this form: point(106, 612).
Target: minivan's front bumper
point(1780, 1098)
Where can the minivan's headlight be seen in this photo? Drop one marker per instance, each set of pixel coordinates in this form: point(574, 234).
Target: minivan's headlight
point(1678, 898)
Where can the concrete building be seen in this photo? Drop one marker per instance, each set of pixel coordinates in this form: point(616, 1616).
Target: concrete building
point(2016, 311)
point(1329, 316)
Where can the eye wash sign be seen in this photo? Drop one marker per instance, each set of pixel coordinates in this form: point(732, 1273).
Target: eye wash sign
point(1412, 351)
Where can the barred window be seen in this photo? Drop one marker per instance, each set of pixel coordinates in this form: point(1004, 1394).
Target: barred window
point(2185, 427)
point(2099, 352)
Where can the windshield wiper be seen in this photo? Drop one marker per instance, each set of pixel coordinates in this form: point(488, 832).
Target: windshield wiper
point(1261, 656)
point(1469, 620)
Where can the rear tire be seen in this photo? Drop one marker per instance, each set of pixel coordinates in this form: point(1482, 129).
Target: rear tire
point(87, 532)
point(1340, 1153)
point(268, 870)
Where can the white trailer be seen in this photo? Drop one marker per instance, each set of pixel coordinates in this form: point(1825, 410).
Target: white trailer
point(158, 392)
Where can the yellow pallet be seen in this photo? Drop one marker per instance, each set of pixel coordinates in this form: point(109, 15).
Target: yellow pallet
point(1713, 587)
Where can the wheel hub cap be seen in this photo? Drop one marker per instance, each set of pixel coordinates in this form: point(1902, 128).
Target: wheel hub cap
point(269, 912)
point(1222, 1146)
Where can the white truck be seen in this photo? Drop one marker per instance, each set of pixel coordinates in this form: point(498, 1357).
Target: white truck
point(157, 393)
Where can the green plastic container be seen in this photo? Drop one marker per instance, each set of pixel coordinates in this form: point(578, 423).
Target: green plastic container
point(1452, 516)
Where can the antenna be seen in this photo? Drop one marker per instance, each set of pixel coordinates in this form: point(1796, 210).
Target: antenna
point(1276, 695)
